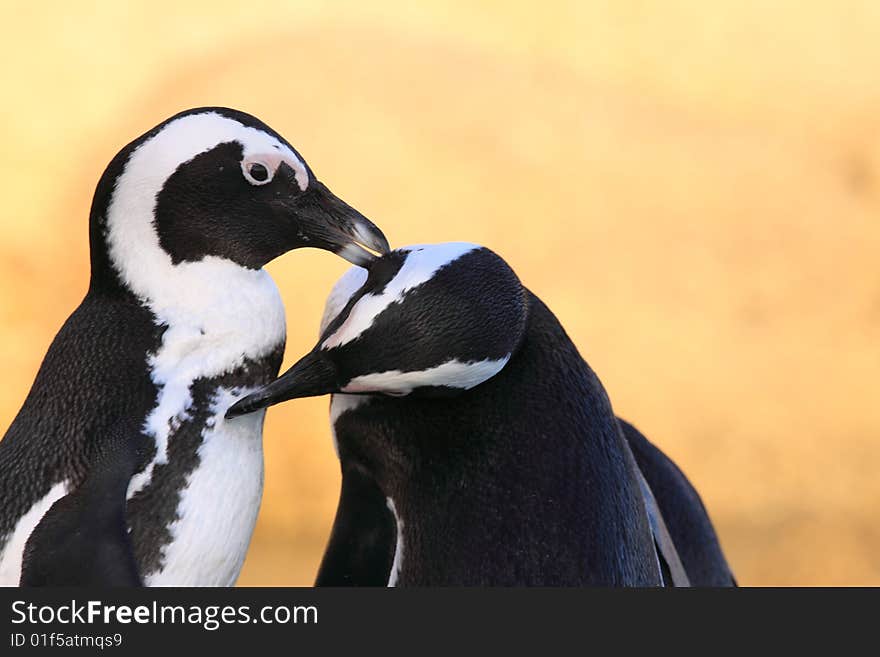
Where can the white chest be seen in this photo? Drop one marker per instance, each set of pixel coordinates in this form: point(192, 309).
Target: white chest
point(218, 506)
point(211, 332)
point(218, 317)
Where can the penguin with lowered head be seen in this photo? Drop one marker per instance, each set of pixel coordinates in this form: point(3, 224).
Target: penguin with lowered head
point(120, 468)
point(477, 447)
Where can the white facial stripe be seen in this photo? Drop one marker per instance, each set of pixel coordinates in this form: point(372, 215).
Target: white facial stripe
point(452, 374)
point(345, 287)
point(398, 548)
point(420, 266)
point(131, 237)
point(150, 165)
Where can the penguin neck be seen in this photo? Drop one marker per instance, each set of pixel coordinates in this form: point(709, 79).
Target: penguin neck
point(227, 313)
point(233, 312)
point(213, 297)
point(531, 458)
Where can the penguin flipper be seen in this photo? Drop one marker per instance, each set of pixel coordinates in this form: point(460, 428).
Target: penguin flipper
point(83, 540)
point(685, 516)
point(364, 536)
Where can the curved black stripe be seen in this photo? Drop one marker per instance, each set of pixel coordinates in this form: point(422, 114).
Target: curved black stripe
point(152, 510)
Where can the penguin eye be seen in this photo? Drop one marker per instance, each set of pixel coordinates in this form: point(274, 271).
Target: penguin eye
point(256, 173)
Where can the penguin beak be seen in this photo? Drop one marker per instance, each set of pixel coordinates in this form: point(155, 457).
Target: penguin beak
point(313, 375)
point(329, 223)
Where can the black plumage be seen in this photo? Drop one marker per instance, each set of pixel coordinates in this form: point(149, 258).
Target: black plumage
point(523, 479)
point(84, 423)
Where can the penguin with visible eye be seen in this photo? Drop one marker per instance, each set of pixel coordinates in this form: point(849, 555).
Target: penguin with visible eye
point(476, 445)
point(120, 468)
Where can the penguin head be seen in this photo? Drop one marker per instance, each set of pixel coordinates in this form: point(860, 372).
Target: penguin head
point(215, 184)
point(424, 320)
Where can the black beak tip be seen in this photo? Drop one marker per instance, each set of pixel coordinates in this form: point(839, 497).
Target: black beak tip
point(310, 376)
point(244, 406)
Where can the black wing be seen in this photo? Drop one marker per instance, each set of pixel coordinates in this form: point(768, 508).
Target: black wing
point(364, 536)
point(683, 511)
point(83, 540)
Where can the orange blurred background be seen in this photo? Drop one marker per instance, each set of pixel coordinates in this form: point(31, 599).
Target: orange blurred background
point(694, 189)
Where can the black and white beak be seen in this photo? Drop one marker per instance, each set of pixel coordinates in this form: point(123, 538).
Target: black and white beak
point(327, 222)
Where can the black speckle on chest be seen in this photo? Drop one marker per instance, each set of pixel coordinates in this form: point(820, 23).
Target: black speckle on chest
point(153, 509)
